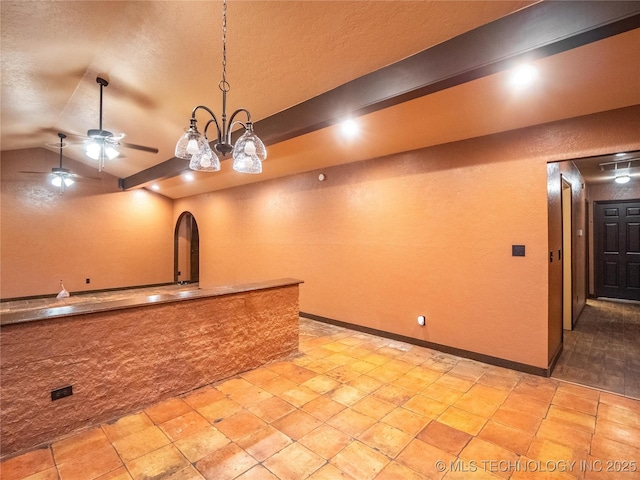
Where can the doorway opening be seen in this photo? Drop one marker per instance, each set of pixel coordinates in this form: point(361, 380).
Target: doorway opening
point(186, 264)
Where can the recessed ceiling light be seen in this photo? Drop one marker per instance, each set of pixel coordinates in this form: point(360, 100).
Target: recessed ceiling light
point(620, 154)
point(188, 177)
point(349, 128)
point(523, 75)
point(155, 187)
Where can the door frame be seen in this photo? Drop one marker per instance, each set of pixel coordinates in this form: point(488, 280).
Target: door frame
point(194, 254)
point(566, 201)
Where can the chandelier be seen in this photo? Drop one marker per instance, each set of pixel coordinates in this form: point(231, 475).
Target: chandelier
point(248, 152)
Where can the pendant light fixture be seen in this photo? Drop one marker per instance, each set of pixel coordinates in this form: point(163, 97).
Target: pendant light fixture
point(248, 152)
point(61, 177)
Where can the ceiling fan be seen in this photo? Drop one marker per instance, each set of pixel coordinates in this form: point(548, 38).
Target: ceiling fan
point(102, 144)
point(59, 177)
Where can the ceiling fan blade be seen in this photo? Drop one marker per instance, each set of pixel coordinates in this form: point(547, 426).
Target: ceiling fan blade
point(36, 173)
point(139, 147)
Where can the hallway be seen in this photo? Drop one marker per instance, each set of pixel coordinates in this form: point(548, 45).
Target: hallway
point(603, 350)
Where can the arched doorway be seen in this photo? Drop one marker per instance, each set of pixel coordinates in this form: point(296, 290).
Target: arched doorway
point(186, 265)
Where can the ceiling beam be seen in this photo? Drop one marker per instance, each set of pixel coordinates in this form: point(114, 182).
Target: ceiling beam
point(538, 31)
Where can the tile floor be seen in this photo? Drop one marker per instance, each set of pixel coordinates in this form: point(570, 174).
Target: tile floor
point(603, 350)
point(356, 406)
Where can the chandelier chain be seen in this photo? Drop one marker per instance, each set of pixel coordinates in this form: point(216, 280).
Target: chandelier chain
point(224, 85)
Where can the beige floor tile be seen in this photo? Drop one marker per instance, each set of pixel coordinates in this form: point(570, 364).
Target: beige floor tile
point(454, 382)
point(325, 441)
point(257, 473)
point(603, 447)
point(424, 373)
point(617, 414)
point(343, 373)
point(351, 422)
point(411, 384)
point(360, 461)
point(240, 425)
point(365, 384)
point(346, 395)
point(80, 444)
point(565, 435)
point(480, 452)
point(329, 472)
point(498, 381)
point(294, 462)
point(229, 462)
point(235, 386)
point(565, 399)
point(321, 384)
point(519, 420)
point(393, 394)
point(462, 420)
point(201, 443)
point(444, 437)
point(385, 439)
point(442, 394)
point(271, 409)
point(220, 410)
point(292, 372)
point(118, 474)
point(258, 376)
point(545, 450)
point(277, 385)
point(264, 442)
point(162, 462)
point(168, 409)
point(299, 395)
point(125, 426)
point(618, 432)
point(27, 464)
point(296, 424)
point(376, 359)
point(374, 407)
point(202, 397)
point(542, 391)
point(510, 438)
point(422, 458)
point(385, 374)
point(250, 398)
point(340, 359)
point(89, 465)
point(184, 425)
point(323, 408)
point(572, 418)
point(525, 404)
point(397, 471)
point(426, 406)
point(619, 401)
point(406, 420)
point(140, 443)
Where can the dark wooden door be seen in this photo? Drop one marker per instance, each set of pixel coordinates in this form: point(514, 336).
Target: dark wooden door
point(617, 243)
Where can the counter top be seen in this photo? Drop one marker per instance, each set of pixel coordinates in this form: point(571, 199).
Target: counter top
point(58, 309)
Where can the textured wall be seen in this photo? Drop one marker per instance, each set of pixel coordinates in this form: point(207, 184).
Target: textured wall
point(124, 360)
point(426, 232)
point(93, 230)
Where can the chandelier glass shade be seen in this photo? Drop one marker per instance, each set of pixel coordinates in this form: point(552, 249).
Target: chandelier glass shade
point(248, 152)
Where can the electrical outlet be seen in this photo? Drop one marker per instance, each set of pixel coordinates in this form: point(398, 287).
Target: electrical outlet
point(88, 280)
point(61, 393)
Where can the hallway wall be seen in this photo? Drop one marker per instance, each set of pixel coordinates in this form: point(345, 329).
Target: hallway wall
point(427, 232)
point(93, 230)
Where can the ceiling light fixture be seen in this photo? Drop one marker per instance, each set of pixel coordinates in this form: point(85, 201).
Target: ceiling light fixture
point(248, 152)
point(101, 143)
point(349, 128)
point(624, 177)
point(523, 75)
point(61, 177)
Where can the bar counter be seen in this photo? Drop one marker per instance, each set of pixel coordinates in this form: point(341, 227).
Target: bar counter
point(122, 355)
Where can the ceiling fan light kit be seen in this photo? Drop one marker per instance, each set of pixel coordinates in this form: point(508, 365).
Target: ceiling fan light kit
point(61, 177)
point(248, 152)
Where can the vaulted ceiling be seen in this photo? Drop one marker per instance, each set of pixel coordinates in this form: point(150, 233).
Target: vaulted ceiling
point(414, 73)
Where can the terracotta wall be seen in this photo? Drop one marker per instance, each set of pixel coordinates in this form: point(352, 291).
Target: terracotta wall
point(602, 192)
point(122, 361)
point(93, 230)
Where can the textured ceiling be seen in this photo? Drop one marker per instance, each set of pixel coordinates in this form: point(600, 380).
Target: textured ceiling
point(162, 58)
